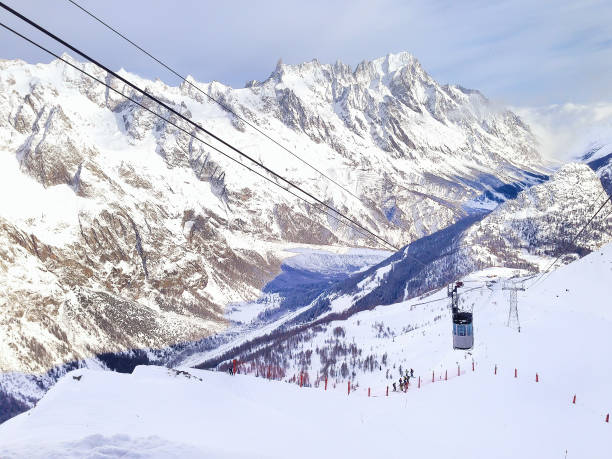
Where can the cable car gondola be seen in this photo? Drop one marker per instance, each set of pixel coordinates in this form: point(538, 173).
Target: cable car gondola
point(463, 326)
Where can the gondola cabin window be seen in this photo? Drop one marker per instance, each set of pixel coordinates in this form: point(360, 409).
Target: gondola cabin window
point(462, 330)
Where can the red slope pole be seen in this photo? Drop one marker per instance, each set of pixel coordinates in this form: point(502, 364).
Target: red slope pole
point(432, 377)
point(419, 382)
point(608, 417)
point(574, 400)
point(368, 391)
point(458, 370)
point(472, 365)
point(349, 388)
point(446, 375)
point(326, 383)
point(495, 368)
point(537, 378)
point(387, 391)
point(515, 373)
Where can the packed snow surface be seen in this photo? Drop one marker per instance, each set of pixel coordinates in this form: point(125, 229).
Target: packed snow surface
point(565, 337)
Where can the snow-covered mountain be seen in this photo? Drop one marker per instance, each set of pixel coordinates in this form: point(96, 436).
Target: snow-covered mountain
point(119, 231)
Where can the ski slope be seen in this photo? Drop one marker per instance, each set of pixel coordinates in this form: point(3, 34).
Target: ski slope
point(565, 337)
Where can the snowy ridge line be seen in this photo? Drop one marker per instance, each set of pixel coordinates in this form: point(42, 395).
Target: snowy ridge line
point(276, 373)
point(20, 392)
point(191, 134)
point(183, 117)
point(210, 97)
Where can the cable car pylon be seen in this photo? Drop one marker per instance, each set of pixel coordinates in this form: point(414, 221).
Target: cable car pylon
point(513, 317)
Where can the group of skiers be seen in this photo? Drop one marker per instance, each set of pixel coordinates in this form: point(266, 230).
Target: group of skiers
point(404, 380)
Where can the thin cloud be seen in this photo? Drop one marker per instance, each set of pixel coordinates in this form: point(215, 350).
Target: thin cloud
point(568, 131)
point(517, 52)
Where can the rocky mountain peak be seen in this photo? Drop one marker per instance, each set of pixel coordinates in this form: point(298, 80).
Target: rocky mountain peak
point(365, 72)
point(388, 65)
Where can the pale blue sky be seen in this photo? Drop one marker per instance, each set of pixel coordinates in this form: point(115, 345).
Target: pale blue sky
point(516, 52)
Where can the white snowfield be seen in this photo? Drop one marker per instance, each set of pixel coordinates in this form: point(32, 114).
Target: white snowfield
point(566, 337)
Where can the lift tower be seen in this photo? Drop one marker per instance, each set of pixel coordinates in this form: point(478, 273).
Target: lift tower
point(513, 317)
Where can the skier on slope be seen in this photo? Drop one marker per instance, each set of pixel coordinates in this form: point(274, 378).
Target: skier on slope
point(394, 388)
point(411, 373)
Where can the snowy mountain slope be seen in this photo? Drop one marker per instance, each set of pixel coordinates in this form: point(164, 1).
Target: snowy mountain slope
point(524, 233)
point(479, 414)
point(599, 158)
point(540, 222)
point(139, 236)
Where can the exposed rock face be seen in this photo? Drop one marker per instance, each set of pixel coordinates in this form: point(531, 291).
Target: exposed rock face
point(120, 231)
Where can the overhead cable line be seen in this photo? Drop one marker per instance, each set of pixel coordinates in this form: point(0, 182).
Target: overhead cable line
point(366, 236)
point(213, 99)
point(191, 122)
